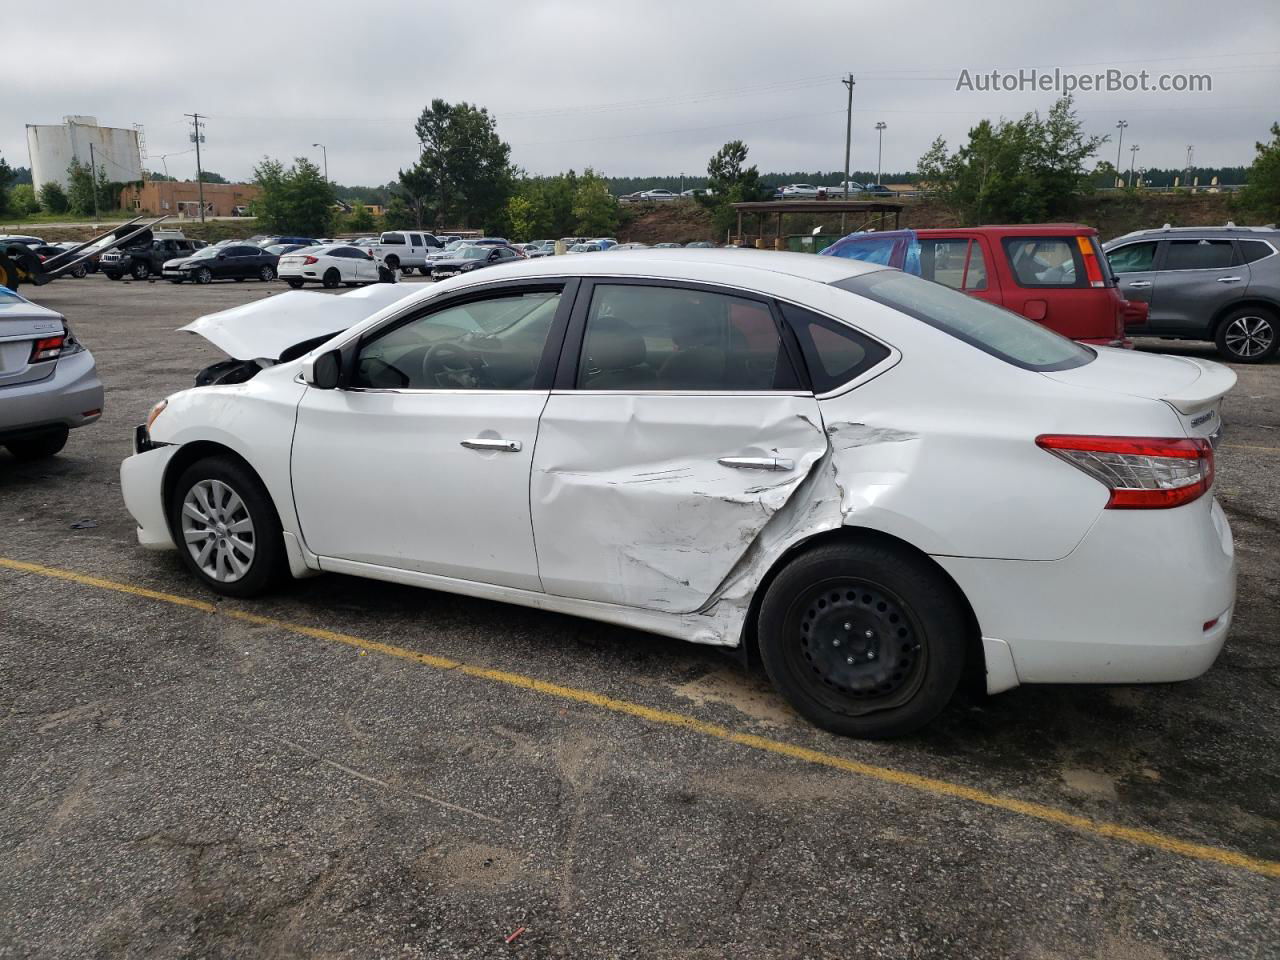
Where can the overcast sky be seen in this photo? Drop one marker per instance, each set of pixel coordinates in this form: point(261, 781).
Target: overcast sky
point(630, 87)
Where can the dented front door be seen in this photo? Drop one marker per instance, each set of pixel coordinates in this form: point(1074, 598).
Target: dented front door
point(649, 499)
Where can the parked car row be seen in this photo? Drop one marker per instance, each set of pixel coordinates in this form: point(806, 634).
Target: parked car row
point(807, 191)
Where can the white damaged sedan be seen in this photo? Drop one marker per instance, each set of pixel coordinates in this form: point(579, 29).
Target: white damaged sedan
point(875, 481)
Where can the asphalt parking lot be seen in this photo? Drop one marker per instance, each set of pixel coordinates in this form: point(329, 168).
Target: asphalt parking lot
point(358, 769)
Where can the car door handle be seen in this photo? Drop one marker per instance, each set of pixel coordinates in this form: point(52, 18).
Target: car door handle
point(757, 463)
point(1229, 279)
point(1139, 284)
point(504, 446)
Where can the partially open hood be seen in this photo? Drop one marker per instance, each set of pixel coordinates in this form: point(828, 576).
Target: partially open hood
point(264, 329)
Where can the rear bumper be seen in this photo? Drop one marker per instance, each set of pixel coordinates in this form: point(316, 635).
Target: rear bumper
point(142, 485)
point(1146, 597)
point(65, 399)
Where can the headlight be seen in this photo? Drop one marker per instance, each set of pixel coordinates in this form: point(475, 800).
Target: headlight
point(155, 412)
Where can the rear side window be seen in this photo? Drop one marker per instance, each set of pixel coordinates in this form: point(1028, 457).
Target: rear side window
point(956, 263)
point(1198, 254)
point(415, 239)
point(1251, 250)
point(641, 337)
point(991, 329)
point(1045, 261)
point(834, 353)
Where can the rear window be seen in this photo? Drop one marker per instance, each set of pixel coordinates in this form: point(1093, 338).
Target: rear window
point(991, 329)
point(1045, 261)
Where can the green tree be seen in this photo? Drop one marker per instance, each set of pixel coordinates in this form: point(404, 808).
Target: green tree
point(6, 176)
point(1014, 171)
point(82, 189)
point(730, 182)
point(595, 211)
point(53, 199)
point(208, 176)
point(294, 200)
point(360, 220)
point(466, 163)
point(22, 200)
point(1261, 194)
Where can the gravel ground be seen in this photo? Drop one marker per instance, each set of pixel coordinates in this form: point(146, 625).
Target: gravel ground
point(180, 783)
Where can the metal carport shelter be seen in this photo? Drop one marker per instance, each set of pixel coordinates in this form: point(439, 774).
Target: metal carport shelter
point(864, 213)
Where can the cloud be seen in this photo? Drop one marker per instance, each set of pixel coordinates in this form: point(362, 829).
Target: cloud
point(627, 87)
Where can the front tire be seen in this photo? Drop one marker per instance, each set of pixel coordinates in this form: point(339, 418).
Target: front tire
point(1248, 335)
point(140, 270)
point(863, 639)
point(39, 447)
point(227, 528)
point(203, 275)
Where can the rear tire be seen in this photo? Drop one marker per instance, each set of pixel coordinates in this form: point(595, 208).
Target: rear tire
point(1248, 335)
point(295, 284)
point(39, 447)
point(230, 538)
point(114, 276)
point(80, 272)
point(332, 279)
point(863, 639)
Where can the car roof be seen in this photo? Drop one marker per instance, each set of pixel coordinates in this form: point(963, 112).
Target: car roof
point(1018, 230)
point(682, 264)
point(1229, 230)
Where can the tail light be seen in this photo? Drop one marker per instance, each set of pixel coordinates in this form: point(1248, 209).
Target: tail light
point(47, 348)
point(1142, 473)
point(307, 261)
point(1092, 271)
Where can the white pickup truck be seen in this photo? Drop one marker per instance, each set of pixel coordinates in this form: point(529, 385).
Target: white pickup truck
point(404, 250)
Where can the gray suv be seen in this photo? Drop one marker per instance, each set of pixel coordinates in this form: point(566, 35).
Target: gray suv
point(1205, 283)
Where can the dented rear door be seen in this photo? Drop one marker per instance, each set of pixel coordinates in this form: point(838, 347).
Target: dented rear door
point(682, 430)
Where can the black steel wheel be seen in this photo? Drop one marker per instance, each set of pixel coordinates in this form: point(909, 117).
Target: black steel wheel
point(863, 639)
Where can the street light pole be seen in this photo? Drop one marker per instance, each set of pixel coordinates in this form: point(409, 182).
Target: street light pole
point(1133, 158)
point(1119, 142)
point(880, 128)
point(325, 154)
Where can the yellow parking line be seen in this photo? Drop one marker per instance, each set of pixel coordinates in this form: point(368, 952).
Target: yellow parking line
point(901, 778)
point(1251, 446)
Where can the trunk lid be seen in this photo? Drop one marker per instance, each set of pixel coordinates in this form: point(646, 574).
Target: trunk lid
point(21, 324)
point(1194, 388)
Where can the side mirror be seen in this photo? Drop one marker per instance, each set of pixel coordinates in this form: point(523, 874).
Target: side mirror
point(221, 256)
point(322, 372)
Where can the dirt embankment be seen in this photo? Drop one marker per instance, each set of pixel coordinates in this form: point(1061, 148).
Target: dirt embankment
point(1111, 214)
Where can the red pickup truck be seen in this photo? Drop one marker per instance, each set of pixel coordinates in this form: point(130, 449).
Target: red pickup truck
point(1054, 274)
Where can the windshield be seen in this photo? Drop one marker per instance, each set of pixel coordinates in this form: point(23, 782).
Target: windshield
point(472, 253)
point(994, 330)
point(205, 252)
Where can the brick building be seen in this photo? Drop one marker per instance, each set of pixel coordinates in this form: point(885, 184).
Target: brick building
point(182, 198)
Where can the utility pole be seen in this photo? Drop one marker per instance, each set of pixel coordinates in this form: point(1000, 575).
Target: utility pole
point(848, 132)
point(880, 128)
point(1133, 158)
point(1120, 142)
point(93, 173)
point(197, 138)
